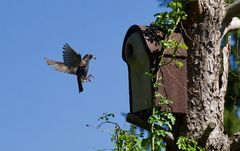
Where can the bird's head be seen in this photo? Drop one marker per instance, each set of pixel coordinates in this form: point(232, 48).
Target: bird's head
point(89, 57)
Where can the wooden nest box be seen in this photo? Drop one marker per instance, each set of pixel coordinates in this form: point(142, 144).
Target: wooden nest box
point(141, 51)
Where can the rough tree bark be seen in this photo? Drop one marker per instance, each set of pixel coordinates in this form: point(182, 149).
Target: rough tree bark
point(207, 72)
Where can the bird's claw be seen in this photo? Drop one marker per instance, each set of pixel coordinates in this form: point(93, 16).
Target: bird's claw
point(89, 78)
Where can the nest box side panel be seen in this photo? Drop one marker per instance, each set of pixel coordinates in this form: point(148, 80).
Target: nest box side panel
point(174, 85)
point(138, 61)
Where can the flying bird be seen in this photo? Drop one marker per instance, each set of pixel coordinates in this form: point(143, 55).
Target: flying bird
point(73, 63)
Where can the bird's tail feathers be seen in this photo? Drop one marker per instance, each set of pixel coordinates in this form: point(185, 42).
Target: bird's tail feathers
point(80, 87)
point(50, 62)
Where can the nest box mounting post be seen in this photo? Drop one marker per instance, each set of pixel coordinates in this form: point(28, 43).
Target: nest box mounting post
point(141, 51)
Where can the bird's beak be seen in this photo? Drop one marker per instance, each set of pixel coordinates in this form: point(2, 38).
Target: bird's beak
point(94, 58)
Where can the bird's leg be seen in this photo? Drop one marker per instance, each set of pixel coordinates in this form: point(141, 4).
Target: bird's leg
point(89, 77)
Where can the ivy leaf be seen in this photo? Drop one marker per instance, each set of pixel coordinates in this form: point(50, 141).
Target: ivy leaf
point(179, 64)
point(175, 5)
point(182, 46)
point(157, 95)
point(157, 85)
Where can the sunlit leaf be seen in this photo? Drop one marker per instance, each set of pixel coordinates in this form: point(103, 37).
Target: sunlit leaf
point(179, 64)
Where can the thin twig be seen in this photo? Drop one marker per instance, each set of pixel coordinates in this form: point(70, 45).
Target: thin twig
point(108, 122)
point(185, 32)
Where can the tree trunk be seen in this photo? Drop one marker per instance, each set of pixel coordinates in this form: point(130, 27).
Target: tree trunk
point(207, 81)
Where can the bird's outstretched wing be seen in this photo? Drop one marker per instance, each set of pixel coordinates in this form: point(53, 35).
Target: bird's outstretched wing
point(59, 66)
point(70, 57)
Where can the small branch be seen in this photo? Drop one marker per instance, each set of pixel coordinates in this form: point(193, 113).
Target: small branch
point(225, 65)
point(202, 141)
point(235, 142)
point(170, 141)
point(186, 34)
point(108, 122)
point(231, 11)
point(234, 25)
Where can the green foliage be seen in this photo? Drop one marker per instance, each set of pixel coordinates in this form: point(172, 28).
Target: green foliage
point(168, 21)
point(179, 64)
point(156, 85)
point(182, 46)
point(161, 99)
point(161, 127)
point(124, 140)
point(150, 75)
point(162, 120)
point(187, 144)
point(170, 43)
